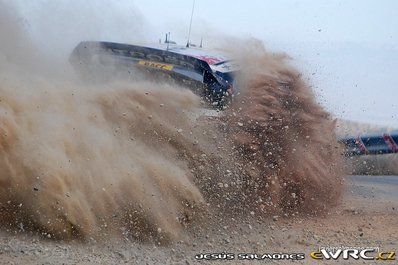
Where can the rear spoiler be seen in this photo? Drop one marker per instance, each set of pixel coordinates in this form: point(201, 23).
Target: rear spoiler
point(88, 53)
point(371, 144)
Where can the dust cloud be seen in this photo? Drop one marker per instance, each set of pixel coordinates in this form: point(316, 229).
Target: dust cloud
point(128, 159)
point(283, 137)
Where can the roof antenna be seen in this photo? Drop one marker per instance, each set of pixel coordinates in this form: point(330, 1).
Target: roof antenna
point(168, 40)
point(190, 24)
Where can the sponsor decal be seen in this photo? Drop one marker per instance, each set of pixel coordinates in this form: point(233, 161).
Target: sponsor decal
point(208, 59)
point(161, 66)
point(154, 56)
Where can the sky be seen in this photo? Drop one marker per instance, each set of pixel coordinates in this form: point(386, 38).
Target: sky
point(282, 20)
point(348, 49)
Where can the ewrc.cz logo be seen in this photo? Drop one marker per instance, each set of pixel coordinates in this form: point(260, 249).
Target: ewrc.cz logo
point(334, 253)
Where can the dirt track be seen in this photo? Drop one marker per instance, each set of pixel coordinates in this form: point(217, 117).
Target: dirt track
point(366, 216)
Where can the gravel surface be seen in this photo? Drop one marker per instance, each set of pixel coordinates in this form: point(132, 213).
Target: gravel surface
point(366, 216)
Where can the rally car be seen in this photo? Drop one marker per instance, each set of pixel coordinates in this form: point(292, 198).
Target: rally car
point(207, 73)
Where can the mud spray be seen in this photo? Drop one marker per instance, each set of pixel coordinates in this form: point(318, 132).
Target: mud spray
point(129, 160)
